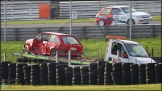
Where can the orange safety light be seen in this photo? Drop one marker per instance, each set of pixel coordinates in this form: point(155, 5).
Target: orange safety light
point(116, 37)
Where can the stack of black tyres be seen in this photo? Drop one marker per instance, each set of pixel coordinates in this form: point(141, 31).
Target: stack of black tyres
point(20, 74)
point(93, 73)
point(142, 73)
point(126, 74)
point(22, 60)
point(84, 71)
point(27, 71)
point(117, 73)
point(60, 74)
point(34, 74)
point(158, 73)
point(11, 73)
point(150, 73)
point(76, 80)
point(5, 70)
point(134, 74)
point(0, 72)
point(100, 72)
point(107, 74)
point(43, 74)
point(68, 75)
point(51, 73)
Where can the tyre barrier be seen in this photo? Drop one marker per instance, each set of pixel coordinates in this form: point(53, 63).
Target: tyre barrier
point(107, 74)
point(51, 73)
point(142, 73)
point(68, 75)
point(93, 74)
point(27, 71)
point(76, 79)
point(43, 74)
point(134, 74)
point(35, 74)
point(11, 73)
point(98, 73)
point(84, 75)
point(19, 74)
point(117, 73)
point(0, 72)
point(158, 73)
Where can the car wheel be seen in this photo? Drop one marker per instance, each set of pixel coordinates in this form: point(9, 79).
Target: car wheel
point(101, 23)
point(53, 52)
point(26, 49)
point(131, 22)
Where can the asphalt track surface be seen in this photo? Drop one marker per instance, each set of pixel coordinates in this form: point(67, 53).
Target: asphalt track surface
point(67, 25)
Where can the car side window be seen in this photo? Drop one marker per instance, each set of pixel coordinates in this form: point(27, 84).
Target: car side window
point(106, 11)
point(115, 11)
point(45, 37)
point(54, 38)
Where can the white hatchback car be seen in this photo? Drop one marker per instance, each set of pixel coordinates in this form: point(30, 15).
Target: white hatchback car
point(121, 15)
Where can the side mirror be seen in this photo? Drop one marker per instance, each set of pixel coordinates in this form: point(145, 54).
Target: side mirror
point(125, 55)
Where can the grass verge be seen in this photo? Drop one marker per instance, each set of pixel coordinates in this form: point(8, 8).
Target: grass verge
point(62, 21)
point(93, 48)
point(86, 87)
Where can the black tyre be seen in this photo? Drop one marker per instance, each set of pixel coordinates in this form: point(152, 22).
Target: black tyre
point(53, 52)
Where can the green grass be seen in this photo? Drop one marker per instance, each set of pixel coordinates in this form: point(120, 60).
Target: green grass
point(63, 21)
point(156, 18)
point(93, 48)
point(86, 87)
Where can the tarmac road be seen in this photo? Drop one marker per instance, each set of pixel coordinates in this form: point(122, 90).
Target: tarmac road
point(67, 25)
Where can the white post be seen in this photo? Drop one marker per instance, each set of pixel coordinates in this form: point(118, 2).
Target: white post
point(118, 55)
point(130, 20)
point(5, 20)
point(69, 58)
point(56, 56)
point(70, 16)
point(4, 57)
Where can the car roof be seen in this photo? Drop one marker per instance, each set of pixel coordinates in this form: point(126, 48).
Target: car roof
point(115, 6)
point(56, 33)
point(127, 41)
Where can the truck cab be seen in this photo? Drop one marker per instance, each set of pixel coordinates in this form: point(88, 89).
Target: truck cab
point(129, 51)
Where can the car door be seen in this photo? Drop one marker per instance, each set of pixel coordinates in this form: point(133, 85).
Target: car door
point(36, 44)
point(106, 16)
point(44, 43)
point(114, 57)
point(118, 16)
point(53, 43)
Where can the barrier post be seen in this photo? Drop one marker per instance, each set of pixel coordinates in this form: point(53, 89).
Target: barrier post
point(4, 57)
point(56, 56)
point(69, 58)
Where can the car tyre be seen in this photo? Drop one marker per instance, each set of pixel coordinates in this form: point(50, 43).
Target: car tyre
point(101, 23)
point(53, 52)
point(131, 22)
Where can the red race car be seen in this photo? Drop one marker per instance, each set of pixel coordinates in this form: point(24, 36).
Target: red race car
point(47, 43)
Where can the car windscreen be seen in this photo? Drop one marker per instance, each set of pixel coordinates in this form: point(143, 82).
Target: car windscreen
point(136, 50)
point(127, 9)
point(69, 40)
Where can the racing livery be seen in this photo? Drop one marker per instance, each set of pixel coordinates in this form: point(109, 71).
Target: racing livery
point(114, 15)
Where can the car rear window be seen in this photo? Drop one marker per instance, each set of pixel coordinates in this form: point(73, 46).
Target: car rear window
point(69, 40)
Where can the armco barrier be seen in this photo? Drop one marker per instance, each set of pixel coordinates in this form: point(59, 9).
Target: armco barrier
point(61, 74)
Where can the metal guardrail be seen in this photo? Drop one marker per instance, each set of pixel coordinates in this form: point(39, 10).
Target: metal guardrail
point(91, 8)
point(138, 31)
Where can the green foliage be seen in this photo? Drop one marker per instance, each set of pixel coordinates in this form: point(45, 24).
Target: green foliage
point(93, 48)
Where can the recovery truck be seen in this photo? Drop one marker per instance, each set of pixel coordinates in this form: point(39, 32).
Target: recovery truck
point(130, 52)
